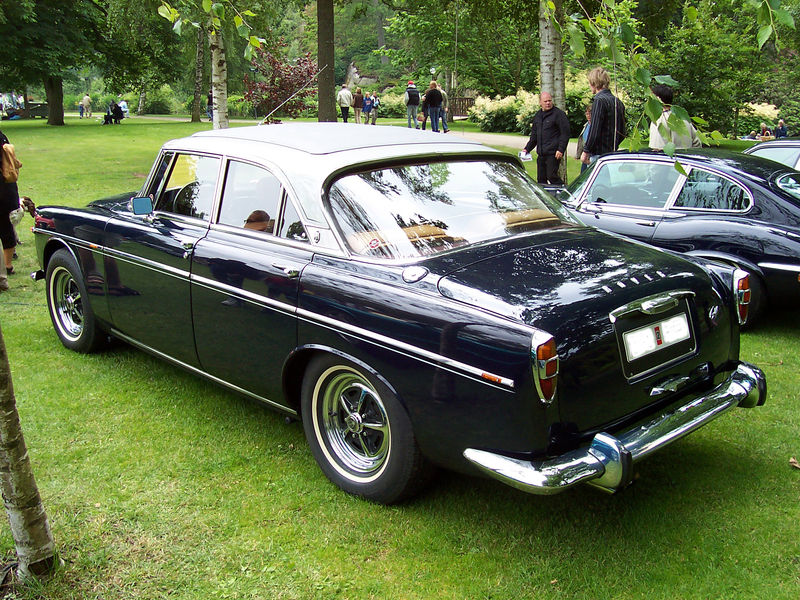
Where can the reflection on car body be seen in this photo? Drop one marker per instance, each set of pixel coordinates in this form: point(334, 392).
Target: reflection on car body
point(415, 299)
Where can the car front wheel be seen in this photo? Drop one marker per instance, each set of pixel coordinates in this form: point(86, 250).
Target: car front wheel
point(359, 432)
point(69, 305)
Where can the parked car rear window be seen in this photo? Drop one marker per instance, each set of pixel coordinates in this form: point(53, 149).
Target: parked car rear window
point(417, 210)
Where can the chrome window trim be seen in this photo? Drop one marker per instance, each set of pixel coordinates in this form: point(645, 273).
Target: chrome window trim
point(200, 372)
point(748, 193)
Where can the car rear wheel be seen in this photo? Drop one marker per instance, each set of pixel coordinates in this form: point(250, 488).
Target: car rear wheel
point(359, 432)
point(69, 305)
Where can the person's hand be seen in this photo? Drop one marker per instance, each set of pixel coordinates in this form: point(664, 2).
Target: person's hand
point(559, 154)
point(585, 158)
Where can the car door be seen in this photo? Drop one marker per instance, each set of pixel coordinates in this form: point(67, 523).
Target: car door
point(245, 280)
point(710, 214)
point(148, 258)
point(628, 196)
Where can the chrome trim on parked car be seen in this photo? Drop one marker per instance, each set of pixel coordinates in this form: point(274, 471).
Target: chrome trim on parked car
point(780, 267)
point(651, 305)
point(376, 338)
point(606, 462)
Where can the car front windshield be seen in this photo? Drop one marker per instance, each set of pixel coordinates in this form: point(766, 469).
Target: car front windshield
point(414, 210)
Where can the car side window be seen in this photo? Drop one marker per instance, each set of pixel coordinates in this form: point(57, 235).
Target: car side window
point(705, 190)
point(190, 188)
point(641, 184)
point(251, 198)
point(291, 226)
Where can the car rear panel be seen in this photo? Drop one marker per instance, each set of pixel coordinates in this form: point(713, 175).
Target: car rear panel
point(582, 277)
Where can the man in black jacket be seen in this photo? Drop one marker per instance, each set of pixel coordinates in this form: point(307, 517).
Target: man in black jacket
point(550, 136)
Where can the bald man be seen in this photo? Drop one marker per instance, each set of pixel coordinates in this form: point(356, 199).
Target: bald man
point(550, 136)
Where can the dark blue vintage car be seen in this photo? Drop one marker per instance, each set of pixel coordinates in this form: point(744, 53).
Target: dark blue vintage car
point(414, 298)
point(726, 206)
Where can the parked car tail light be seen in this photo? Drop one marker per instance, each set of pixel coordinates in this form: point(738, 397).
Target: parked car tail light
point(545, 365)
point(741, 289)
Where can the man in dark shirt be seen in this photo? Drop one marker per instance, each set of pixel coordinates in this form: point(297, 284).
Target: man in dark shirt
point(550, 136)
point(608, 118)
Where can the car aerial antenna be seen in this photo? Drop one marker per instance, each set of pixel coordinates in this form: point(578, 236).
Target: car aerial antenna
point(304, 86)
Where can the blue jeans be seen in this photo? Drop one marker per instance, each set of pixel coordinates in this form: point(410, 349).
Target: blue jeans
point(411, 113)
point(433, 113)
point(443, 117)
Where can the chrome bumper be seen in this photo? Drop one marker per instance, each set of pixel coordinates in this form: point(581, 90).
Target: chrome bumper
point(607, 462)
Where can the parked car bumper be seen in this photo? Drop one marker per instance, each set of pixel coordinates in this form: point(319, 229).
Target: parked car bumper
point(607, 462)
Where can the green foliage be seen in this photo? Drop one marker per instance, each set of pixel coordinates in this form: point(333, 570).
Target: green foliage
point(392, 106)
point(790, 113)
point(161, 101)
point(498, 114)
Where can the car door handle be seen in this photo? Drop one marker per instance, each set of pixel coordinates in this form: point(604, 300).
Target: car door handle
point(646, 223)
point(290, 272)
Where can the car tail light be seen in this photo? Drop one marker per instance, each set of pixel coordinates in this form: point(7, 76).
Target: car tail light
point(545, 365)
point(741, 289)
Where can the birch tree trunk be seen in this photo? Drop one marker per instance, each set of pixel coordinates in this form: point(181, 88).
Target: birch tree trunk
point(142, 101)
point(198, 75)
point(551, 61)
point(26, 514)
point(219, 78)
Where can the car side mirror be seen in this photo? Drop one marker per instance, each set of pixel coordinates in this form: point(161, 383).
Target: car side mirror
point(141, 205)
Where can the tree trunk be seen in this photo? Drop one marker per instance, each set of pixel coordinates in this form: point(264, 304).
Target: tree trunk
point(54, 93)
point(142, 102)
point(199, 65)
point(376, 4)
point(219, 78)
point(326, 94)
point(551, 63)
point(26, 514)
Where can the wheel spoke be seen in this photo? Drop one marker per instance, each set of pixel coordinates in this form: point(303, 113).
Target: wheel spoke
point(380, 427)
point(345, 405)
point(361, 398)
point(365, 447)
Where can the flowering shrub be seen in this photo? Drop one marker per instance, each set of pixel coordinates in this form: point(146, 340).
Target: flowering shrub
point(498, 114)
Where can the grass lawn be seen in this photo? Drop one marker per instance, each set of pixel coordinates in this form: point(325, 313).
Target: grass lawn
point(160, 485)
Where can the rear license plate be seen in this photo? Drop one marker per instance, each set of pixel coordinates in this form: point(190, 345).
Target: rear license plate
point(652, 338)
point(649, 343)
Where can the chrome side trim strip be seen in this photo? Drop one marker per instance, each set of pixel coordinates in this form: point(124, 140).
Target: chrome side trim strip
point(347, 328)
point(376, 338)
point(606, 463)
point(217, 286)
point(780, 267)
point(200, 372)
point(146, 263)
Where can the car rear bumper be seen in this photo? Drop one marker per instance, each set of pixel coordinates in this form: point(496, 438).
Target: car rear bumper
point(607, 462)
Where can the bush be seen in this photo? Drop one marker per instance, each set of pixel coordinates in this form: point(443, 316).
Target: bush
point(161, 101)
point(790, 113)
point(498, 114)
point(392, 106)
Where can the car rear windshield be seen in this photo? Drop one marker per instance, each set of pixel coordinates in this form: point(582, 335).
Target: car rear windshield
point(410, 211)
